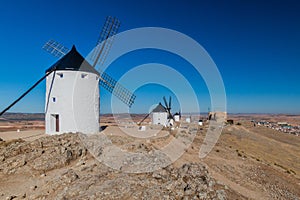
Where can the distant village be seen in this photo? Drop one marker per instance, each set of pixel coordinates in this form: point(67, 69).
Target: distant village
point(279, 126)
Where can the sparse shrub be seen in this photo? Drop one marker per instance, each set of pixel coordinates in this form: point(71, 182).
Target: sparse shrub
point(292, 171)
point(238, 124)
point(218, 150)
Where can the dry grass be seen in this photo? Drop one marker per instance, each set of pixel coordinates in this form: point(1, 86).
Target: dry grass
point(267, 145)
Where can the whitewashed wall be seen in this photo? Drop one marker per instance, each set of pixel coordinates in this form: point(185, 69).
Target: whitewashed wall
point(160, 118)
point(77, 99)
point(177, 118)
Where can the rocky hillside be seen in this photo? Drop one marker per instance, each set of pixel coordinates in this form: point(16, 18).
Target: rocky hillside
point(60, 167)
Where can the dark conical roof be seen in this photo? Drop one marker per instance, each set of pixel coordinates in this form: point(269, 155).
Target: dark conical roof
point(73, 61)
point(159, 108)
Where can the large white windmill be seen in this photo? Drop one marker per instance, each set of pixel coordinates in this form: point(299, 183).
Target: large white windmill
point(72, 96)
point(72, 86)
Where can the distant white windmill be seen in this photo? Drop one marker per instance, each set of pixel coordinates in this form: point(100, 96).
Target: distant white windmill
point(161, 115)
point(72, 86)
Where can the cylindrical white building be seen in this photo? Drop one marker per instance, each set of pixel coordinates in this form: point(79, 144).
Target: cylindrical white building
point(159, 115)
point(72, 96)
point(177, 117)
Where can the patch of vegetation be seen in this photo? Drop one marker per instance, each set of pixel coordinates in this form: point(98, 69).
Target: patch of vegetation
point(218, 150)
point(289, 171)
point(11, 142)
point(278, 165)
point(240, 154)
point(292, 171)
point(238, 124)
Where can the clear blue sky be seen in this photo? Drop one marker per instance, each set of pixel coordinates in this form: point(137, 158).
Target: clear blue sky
point(255, 44)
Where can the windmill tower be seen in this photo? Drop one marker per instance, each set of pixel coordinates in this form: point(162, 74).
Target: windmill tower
point(159, 115)
point(72, 86)
point(177, 116)
point(162, 114)
point(72, 96)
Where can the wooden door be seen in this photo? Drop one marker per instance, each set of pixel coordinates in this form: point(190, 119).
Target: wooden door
point(57, 123)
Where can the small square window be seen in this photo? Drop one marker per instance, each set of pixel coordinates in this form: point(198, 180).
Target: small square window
point(61, 75)
point(84, 75)
point(54, 99)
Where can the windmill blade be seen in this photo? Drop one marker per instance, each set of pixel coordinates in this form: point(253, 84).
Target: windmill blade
point(170, 116)
point(166, 104)
point(170, 103)
point(106, 81)
point(106, 38)
point(55, 48)
point(144, 119)
point(116, 89)
point(25, 93)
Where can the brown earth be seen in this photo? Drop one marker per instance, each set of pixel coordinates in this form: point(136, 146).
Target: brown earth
point(247, 163)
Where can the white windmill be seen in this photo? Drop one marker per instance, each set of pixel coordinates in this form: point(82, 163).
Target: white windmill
point(72, 86)
point(170, 118)
point(161, 115)
point(72, 96)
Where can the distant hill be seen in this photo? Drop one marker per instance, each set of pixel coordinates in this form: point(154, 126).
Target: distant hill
point(23, 117)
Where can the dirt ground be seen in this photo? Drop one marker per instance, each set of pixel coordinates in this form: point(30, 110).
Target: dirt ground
point(258, 162)
point(247, 162)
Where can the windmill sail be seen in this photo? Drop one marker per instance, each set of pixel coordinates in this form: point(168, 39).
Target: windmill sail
point(168, 107)
point(144, 119)
point(56, 49)
point(117, 89)
point(104, 43)
point(106, 81)
point(105, 40)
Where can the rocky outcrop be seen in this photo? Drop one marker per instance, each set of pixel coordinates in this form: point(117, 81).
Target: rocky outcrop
point(61, 168)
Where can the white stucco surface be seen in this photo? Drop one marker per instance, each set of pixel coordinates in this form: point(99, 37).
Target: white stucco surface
point(76, 102)
point(159, 118)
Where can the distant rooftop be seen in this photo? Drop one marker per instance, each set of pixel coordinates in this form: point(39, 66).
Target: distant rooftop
point(159, 108)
